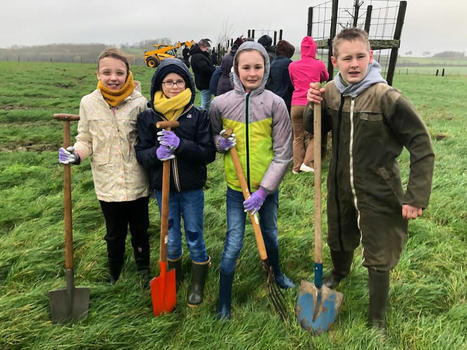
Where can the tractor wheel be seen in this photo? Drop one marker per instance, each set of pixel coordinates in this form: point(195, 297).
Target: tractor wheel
point(152, 62)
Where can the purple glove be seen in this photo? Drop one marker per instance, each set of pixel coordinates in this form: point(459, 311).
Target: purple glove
point(256, 200)
point(226, 143)
point(68, 156)
point(168, 138)
point(164, 153)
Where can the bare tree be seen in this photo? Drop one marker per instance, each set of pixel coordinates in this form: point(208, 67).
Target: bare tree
point(225, 33)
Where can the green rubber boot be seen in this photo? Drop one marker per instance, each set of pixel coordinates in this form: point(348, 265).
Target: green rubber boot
point(199, 272)
point(341, 262)
point(379, 289)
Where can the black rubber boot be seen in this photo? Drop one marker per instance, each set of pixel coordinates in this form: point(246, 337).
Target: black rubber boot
point(379, 289)
point(115, 268)
point(225, 296)
point(177, 266)
point(282, 280)
point(142, 265)
point(199, 271)
point(341, 262)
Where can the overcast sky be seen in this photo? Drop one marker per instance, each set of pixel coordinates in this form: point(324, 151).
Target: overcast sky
point(430, 25)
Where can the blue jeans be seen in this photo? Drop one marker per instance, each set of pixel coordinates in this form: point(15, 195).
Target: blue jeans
point(236, 226)
point(188, 205)
point(205, 99)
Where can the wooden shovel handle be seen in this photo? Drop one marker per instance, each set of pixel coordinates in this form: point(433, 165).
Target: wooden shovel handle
point(317, 187)
point(246, 194)
point(167, 125)
point(165, 210)
point(66, 118)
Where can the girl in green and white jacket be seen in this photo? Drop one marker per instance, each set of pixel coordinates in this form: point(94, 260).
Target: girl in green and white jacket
point(263, 139)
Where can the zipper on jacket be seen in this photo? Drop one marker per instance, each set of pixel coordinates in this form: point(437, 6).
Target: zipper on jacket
point(176, 176)
point(247, 140)
point(336, 182)
point(352, 184)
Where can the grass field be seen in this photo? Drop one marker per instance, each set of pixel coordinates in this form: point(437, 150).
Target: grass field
point(427, 298)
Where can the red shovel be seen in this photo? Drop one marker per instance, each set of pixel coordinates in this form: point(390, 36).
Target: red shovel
point(163, 291)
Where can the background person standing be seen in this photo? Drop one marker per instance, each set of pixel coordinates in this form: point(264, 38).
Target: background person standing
point(202, 68)
point(302, 72)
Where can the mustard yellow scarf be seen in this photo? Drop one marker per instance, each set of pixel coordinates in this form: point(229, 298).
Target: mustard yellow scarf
point(171, 108)
point(115, 97)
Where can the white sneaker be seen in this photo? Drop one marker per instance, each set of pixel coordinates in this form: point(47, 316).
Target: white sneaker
point(295, 172)
point(306, 168)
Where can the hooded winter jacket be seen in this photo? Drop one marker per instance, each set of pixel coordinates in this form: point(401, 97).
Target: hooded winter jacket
point(202, 67)
point(225, 84)
point(262, 130)
point(305, 71)
point(108, 135)
point(279, 79)
point(196, 148)
point(365, 194)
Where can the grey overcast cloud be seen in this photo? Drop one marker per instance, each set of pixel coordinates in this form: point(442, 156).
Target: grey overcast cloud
point(430, 25)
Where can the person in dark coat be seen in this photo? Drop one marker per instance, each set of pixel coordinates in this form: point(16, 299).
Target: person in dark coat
point(214, 58)
point(186, 55)
point(266, 41)
point(225, 82)
point(189, 148)
point(279, 79)
point(202, 68)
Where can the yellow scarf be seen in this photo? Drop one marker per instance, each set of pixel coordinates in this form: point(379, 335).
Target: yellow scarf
point(114, 97)
point(171, 108)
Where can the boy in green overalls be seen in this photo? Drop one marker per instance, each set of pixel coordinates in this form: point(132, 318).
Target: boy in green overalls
point(371, 122)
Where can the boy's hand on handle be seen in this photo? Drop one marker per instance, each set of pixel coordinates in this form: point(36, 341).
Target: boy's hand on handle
point(227, 143)
point(256, 200)
point(314, 93)
point(410, 212)
point(168, 138)
point(164, 153)
point(68, 156)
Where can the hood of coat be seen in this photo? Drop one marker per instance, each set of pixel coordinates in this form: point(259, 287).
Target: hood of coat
point(171, 65)
point(308, 47)
point(251, 45)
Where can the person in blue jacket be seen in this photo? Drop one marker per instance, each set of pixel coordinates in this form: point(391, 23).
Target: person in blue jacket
point(189, 148)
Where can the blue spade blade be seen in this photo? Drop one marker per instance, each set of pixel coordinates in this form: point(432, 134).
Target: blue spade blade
point(317, 308)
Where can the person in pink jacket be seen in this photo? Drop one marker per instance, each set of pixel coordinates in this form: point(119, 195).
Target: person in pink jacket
point(303, 72)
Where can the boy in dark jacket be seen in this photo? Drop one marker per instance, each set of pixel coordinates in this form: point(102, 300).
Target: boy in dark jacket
point(371, 122)
point(189, 148)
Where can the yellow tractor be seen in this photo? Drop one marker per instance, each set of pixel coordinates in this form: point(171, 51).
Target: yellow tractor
point(163, 51)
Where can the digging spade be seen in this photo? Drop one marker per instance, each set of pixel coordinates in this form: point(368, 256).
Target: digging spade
point(163, 290)
point(71, 303)
point(317, 305)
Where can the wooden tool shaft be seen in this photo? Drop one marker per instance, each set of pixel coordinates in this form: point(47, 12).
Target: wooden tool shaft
point(246, 194)
point(66, 118)
point(165, 210)
point(317, 187)
point(167, 125)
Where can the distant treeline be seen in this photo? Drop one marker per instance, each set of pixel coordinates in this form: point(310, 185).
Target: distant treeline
point(79, 53)
point(88, 53)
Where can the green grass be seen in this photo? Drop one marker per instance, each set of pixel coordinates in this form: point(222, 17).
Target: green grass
point(428, 287)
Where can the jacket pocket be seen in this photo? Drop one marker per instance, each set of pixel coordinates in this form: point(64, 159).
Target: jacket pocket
point(393, 183)
point(100, 153)
point(371, 117)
